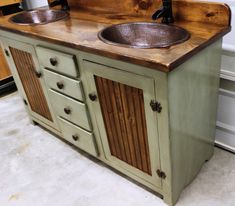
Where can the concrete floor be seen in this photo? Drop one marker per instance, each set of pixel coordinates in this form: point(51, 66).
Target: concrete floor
point(37, 169)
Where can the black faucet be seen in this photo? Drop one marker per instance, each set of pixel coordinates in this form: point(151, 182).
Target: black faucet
point(64, 4)
point(165, 12)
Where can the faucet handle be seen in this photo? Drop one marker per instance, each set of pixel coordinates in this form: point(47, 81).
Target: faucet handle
point(64, 4)
point(158, 14)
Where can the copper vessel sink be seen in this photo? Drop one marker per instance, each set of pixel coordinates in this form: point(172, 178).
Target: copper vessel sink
point(143, 35)
point(36, 17)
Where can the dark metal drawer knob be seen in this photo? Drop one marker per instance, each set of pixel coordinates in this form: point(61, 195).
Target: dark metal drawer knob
point(60, 85)
point(38, 74)
point(92, 97)
point(75, 137)
point(67, 110)
point(53, 61)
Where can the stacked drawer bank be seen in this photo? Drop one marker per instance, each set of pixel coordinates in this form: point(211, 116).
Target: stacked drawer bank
point(61, 73)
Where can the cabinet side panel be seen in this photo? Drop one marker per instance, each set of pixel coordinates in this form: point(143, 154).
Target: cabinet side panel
point(193, 96)
point(124, 117)
point(26, 70)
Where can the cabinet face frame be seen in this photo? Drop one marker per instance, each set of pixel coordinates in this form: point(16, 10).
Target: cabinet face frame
point(147, 85)
point(29, 49)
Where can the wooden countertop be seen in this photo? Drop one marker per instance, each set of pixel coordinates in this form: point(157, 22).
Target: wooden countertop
point(80, 31)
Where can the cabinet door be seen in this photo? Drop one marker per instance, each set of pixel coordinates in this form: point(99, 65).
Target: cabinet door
point(127, 124)
point(26, 71)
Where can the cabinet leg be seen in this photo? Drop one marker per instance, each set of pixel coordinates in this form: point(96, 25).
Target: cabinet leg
point(168, 200)
point(34, 123)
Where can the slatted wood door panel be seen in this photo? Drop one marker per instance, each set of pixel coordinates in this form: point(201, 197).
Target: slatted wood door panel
point(124, 118)
point(24, 65)
point(127, 125)
point(27, 72)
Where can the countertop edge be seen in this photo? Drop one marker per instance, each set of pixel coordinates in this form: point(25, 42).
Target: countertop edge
point(117, 56)
point(210, 41)
point(83, 48)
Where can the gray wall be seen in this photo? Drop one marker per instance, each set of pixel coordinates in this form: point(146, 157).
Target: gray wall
point(32, 4)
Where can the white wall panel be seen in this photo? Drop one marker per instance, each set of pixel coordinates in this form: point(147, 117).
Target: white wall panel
point(225, 133)
point(32, 4)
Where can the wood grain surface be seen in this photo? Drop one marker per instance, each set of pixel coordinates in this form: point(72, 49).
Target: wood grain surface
point(26, 70)
point(9, 2)
point(187, 10)
point(4, 69)
point(124, 117)
point(206, 23)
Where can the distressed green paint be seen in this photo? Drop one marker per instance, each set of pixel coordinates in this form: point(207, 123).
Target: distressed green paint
point(184, 130)
point(29, 49)
point(71, 87)
point(85, 139)
point(193, 96)
point(146, 84)
point(78, 110)
point(66, 63)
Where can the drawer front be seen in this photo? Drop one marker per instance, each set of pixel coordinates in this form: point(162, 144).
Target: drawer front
point(70, 109)
point(64, 84)
point(58, 61)
point(78, 137)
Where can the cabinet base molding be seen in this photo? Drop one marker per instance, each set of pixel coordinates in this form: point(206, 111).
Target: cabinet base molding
point(7, 85)
point(225, 146)
point(37, 122)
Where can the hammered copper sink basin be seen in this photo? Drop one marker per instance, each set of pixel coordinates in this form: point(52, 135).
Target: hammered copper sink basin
point(143, 35)
point(35, 17)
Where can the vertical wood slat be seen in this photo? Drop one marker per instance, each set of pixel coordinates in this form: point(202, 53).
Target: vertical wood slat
point(31, 84)
point(123, 112)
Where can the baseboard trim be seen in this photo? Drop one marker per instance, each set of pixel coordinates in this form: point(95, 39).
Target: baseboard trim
point(7, 85)
point(224, 146)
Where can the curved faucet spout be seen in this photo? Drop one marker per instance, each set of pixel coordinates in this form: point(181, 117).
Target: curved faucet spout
point(159, 13)
point(165, 12)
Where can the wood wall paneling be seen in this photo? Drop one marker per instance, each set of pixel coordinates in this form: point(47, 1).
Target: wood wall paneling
point(185, 10)
point(206, 12)
point(124, 117)
point(4, 69)
point(33, 89)
point(9, 2)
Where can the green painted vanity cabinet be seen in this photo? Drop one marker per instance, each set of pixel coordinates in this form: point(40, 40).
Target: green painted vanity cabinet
point(155, 127)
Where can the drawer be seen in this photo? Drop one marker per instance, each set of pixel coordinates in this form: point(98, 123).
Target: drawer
point(78, 137)
point(64, 84)
point(70, 109)
point(58, 61)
